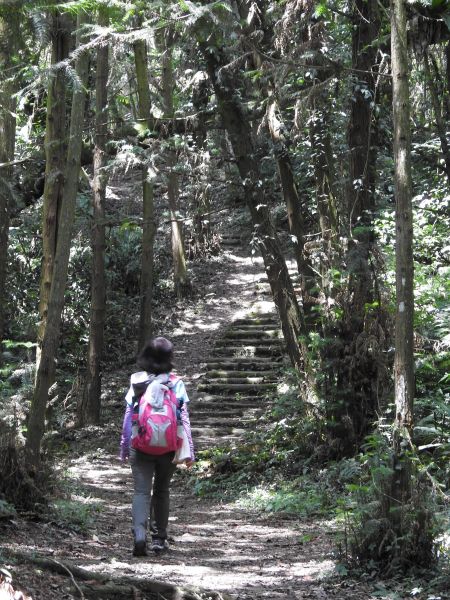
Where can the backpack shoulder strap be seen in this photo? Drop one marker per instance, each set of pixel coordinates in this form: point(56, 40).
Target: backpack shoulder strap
point(173, 379)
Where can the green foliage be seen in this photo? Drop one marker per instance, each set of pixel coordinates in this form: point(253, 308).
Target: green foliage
point(7, 511)
point(379, 531)
point(302, 497)
point(76, 513)
point(22, 287)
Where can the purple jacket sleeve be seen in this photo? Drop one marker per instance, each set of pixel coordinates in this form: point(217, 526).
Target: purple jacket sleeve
point(126, 433)
point(187, 428)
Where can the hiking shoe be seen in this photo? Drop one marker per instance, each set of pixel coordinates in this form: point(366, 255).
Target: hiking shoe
point(140, 548)
point(159, 545)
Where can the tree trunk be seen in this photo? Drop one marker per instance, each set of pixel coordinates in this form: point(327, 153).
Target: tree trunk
point(323, 169)
point(440, 123)
point(238, 129)
point(404, 348)
point(55, 156)
point(50, 342)
point(322, 157)
point(181, 279)
point(366, 25)
point(447, 82)
point(149, 225)
point(355, 374)
point(293, 204)
point(7, 144)
point(202, 200)
point(89, 411)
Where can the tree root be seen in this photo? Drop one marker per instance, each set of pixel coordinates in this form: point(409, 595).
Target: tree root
point(104, 586)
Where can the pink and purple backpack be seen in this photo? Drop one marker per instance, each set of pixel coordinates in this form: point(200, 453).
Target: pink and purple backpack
point(154, 419)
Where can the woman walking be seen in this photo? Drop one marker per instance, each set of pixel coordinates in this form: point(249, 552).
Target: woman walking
point(155, 425)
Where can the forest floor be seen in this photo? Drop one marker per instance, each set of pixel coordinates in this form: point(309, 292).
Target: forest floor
point(216, 545)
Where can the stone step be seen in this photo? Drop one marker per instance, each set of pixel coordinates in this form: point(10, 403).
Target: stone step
point(226, 403)
point(235, 373)
point(207, 397)
point(201, 412)
point(213, 433)
point(225, 422)
point(256, 327)
point(231, 352)
point(256, 363)
point(253, 333)
point(258, 320)
point(227, 381)
point(204, 442)
point(230, 242)
point(233, 388)
point(251, 341)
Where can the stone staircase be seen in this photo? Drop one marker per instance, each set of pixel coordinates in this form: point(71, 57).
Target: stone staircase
point(240, 377)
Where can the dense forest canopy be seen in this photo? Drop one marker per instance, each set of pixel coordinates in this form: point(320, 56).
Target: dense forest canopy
point(140, 140)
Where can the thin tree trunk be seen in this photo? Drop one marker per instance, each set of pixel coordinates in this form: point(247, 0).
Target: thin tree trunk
point(323, 169)
point(447, 82)
point(89, 411)
point(322, 158)
point(149, 226)
point(202, 200)
point(7, 144)
point(50, 342)
point(293, 204)
point(181, 279)
point(404, 358)
point(440, 124)
point(55, 156)
point(238, 129)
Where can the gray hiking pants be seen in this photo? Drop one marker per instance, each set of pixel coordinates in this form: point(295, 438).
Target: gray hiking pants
point(144, 468)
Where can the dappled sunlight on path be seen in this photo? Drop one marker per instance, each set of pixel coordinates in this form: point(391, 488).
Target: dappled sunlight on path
point(228, 337)
point(214, 546)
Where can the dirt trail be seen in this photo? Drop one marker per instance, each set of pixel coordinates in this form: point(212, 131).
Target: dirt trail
point(214, 545)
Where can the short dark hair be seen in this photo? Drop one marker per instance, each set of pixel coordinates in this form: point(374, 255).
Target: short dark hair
point(156, 356)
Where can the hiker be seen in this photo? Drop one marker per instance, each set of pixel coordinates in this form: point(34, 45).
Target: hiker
point(156, 435)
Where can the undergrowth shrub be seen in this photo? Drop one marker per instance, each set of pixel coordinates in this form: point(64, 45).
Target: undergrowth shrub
point(380, 532)
point(76, 513)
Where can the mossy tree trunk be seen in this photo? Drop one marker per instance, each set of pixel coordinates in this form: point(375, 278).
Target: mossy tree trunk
point(55, 156)
point(404, 340)
point(322, 157)
point(362, 171)
point(447, 82)
point(7, 144)
point(149, 225)
point(50, 342)
point(202, 200)
point(90, 408)
point(181, 279)
point(356, 374)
